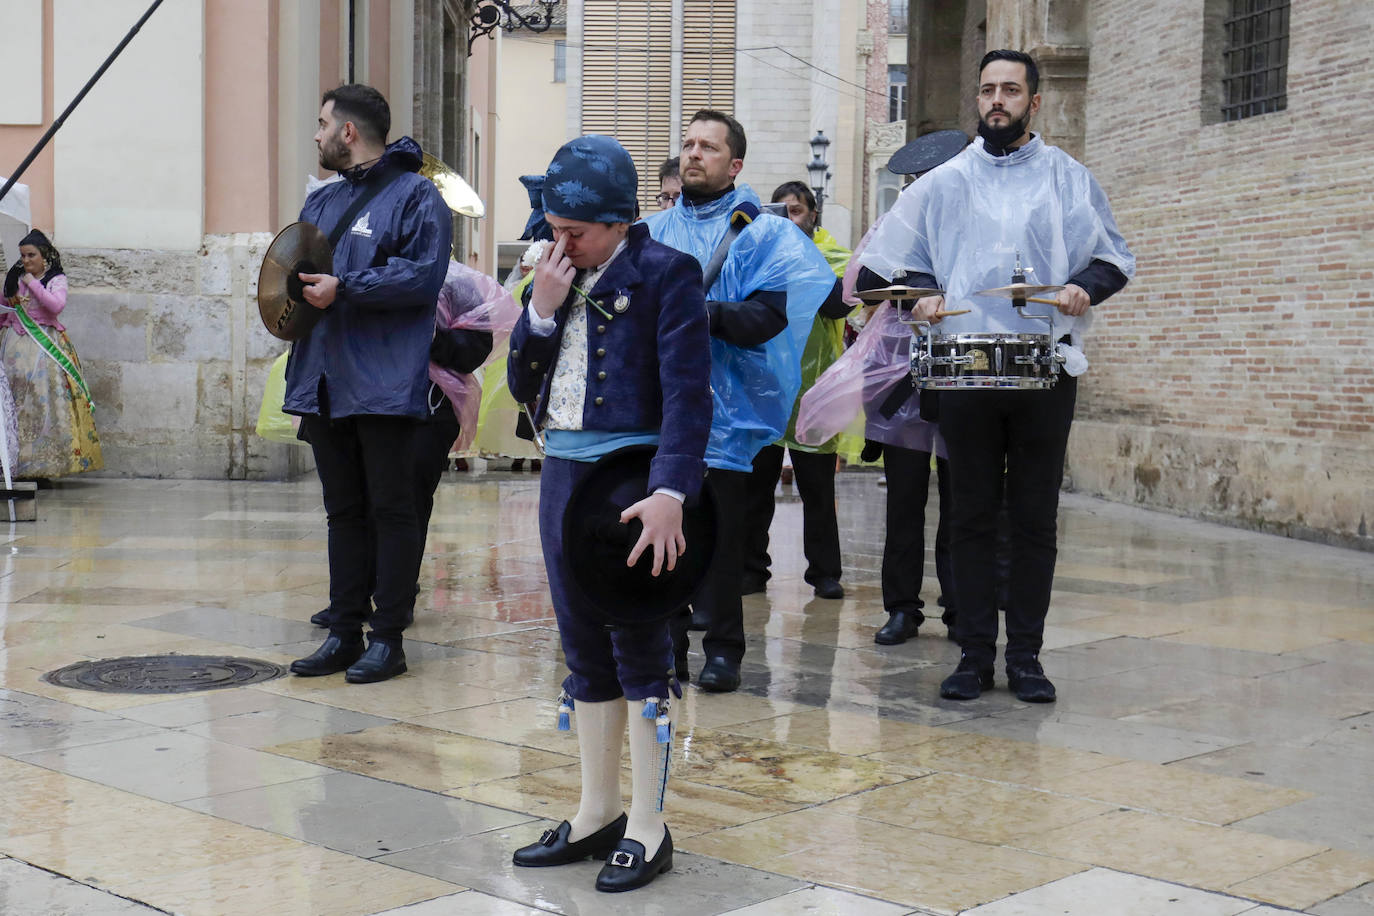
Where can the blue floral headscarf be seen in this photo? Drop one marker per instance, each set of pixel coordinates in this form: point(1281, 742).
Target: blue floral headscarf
point(593, 180)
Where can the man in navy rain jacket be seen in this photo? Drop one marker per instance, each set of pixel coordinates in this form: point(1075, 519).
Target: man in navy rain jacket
point(359, 379)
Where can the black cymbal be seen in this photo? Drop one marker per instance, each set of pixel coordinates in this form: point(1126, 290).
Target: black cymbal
point(927, 151)
point(299, 248)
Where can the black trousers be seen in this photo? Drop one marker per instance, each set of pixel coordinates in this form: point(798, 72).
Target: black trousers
point(431, 460)
point(719, 599)
point(904, 548)
point(366, 466)
point(815, 476)
point(1012, 443)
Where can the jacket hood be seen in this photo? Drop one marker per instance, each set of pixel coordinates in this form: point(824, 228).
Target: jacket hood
point(404, 154)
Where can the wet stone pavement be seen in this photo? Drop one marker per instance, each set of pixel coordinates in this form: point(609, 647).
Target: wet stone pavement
point(1212, 751)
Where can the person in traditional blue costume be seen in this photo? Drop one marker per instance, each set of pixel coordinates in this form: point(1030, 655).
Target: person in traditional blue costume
point(765, 282)
point(613, 346)
point(1007, 199)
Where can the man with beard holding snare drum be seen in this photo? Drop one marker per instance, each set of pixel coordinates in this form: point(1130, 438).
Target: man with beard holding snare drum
point(1008, 200)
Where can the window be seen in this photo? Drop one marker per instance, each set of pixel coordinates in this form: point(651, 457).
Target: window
point(896, 93)
point(1255, 59)
point(896, 17)
point(560, 61)
point(889, 188)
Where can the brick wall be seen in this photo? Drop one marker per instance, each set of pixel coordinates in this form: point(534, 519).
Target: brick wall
point(1234, 379)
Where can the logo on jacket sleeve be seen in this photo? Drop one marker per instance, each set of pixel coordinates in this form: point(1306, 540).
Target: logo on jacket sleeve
point(361, 228)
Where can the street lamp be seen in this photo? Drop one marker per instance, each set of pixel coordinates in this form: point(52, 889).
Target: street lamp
point(489, 15)
point(819, 169)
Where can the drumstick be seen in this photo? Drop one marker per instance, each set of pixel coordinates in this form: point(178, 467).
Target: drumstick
point(1045, 301)
point(953, 313)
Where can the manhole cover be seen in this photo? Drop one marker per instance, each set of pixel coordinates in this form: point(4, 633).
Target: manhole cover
point(163, 673)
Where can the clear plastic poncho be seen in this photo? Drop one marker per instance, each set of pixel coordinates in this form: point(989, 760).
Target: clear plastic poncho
point(861, 381)
point(471, 301)
point(966, 221)
point(752, 388)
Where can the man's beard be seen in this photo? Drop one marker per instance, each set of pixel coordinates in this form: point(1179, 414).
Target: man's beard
point(334, 154)
point(999, 137)
point(701, 187)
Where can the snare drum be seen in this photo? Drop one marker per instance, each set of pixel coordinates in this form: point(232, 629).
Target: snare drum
point(945, 361)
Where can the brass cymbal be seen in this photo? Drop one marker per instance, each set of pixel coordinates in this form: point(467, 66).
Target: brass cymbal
point(455, 191)
point(299, 248)
point(1018, 291)
point(897, 293)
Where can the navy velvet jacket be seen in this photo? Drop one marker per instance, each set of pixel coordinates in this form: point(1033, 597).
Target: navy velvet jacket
point(648, 367)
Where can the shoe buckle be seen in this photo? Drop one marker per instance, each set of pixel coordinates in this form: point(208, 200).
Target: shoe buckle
point(548, 837)
point(621, 859)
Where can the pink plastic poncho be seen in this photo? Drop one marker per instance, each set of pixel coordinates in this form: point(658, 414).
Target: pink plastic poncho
point(861, 380)
point(471, 301)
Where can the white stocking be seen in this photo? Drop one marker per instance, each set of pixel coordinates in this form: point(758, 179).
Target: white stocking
point(649, 760)
point(601, 738)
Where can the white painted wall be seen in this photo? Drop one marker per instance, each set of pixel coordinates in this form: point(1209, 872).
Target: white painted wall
point(22, 100)
point(531, 130)
point(135, 146)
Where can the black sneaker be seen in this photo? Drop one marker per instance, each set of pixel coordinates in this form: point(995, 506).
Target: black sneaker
point(968, 681)
point(1027, 681)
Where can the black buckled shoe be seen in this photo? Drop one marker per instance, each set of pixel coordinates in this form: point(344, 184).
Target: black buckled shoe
point(968, 681)
point(380, 662)
point(333, 655)
point(828, 588)
point(1027, 681)
point(626, 868)
point(554, 848)
point(900, 626)
point(720, 675)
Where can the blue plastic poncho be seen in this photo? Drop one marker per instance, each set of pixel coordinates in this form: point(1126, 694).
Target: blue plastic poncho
point(965, 222)
point(753, 388)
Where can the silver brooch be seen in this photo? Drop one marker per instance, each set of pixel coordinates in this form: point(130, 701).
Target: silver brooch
point(622, 303)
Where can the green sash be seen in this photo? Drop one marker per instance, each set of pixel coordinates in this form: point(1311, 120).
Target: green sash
point(46, 344)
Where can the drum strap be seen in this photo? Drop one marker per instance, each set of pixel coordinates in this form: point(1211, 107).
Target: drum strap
point(899, 395)
point(741, 217)
point(379, 184)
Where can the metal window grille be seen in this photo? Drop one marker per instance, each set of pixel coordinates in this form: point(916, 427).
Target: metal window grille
point(560, 61)
point(1255, 78)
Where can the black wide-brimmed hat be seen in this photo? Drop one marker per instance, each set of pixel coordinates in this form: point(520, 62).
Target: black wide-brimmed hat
point(927, 151)
point(596, 545)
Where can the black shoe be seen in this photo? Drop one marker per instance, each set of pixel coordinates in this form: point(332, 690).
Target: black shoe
point(1027, 681)
point(699, 620)
point(900, 626)
point(553, 848)
point(720, 675)
point(322, 618)
point(380, 662)
point(626, 868)
point(333, 655)
point(829, 588)
point(967, 682)
point(753, 585)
